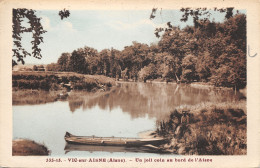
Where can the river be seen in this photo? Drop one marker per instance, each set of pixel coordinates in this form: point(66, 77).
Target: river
point(125, 111)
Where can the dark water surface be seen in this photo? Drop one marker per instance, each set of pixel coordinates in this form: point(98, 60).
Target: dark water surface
point(126, 111)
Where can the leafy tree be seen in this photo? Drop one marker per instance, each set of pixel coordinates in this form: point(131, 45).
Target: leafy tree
point(188, 68)
point(105, 63)
point(175, 45)
point(64, 13)
point(124, 74)
point(195, 14)
point(19, 17)
point(134, 58)
point(77, 62)
point(228, 49)
point(199, 15)
point(19, 53)
point(204, 66)
point(63, 61)
point(148, 72)
point(53, 67)
point(91, 57)
point(204, 13)
point(211, 52)
point(115, 67)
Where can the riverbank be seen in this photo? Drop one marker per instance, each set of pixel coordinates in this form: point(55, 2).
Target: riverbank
point(45, 87)
point(59, 80)
point(25, 147)
point(199, 85)
point(209, 129)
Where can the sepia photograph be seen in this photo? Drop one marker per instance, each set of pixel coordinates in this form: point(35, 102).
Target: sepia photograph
point(148, 85)
point(168, 81)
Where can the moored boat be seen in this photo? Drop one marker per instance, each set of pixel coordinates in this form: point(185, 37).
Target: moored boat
point(112, 141)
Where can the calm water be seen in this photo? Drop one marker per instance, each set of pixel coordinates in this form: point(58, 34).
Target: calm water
point(126, 111)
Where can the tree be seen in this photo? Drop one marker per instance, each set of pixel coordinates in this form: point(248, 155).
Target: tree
point(115, 68)
point(64, 13)
point(19, 16)
point(188, 68)
point(92, 59)
point(148, 72)
point(19, 53)
point(209, 48)
point(124, 74)
point(175, 44)
point(53, 67)
point(77, 62)
point(228, 49)
point(204, 65)
point(199, 15)
point(63, 61)
point(105, 65)
point(196, 13)
point(200, 53)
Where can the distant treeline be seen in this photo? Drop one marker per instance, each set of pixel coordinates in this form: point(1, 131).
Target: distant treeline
point(211, 52)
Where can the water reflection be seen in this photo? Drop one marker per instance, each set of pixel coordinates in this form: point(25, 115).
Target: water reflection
point(124, 111)
point(91, 148)
point(152, 99)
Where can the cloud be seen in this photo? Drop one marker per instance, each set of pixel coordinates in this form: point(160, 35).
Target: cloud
point(46, 23)
point(66, 25)
point(119, 25)
point(57, 25)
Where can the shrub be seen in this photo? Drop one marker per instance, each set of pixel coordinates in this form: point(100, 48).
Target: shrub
point(212, 130)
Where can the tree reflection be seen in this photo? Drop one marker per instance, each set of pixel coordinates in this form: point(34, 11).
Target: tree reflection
point(151, 99)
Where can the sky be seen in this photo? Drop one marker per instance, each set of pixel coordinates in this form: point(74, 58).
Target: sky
point(100, 29)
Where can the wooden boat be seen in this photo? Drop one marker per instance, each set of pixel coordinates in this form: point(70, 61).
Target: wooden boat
point(111, 141)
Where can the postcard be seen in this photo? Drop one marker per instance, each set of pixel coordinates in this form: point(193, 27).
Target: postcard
point(130, 83)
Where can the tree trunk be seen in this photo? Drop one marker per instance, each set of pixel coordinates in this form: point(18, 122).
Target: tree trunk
point(178, 80)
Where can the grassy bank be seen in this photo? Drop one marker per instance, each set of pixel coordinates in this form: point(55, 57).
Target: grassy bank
point(21, 97)
point(45, 87)
point(24, 147)
point(209, 129)
point(59, 80)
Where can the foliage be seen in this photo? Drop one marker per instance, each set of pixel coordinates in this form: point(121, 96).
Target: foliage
point(20, 15)
point(211, 52)
point(19, 53)
point(86, 84)
point(53, 67)
point(77, 62)
point(199, 16)
point(64, 13)
point(212, 129)
point(198, 12)
point(52, 81)
point(148, 72)
point(63, 62)
point(208, 51)
point(188, 68)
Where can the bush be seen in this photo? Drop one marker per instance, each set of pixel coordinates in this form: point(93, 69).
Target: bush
point(211, 130)
point(86, 84)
